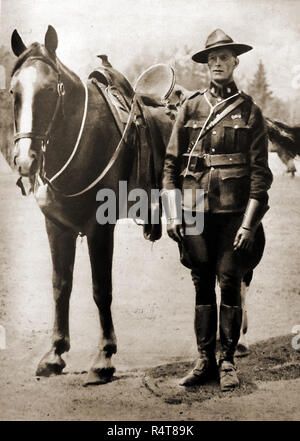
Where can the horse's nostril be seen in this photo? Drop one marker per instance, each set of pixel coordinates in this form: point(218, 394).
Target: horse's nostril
point(32, 154)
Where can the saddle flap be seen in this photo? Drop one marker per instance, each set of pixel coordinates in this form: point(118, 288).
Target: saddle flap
point(157, 81)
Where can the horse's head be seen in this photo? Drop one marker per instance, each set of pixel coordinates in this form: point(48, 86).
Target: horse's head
point(36, 90)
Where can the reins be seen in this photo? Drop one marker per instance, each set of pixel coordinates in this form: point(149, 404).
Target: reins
point(112, 159)
point(78, 138)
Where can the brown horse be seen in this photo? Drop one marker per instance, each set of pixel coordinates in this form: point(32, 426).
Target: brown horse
point(65, 138)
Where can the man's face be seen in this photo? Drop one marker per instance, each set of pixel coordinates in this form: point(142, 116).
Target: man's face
point(221, 64)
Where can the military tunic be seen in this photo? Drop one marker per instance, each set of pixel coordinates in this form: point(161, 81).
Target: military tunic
point(240, 138)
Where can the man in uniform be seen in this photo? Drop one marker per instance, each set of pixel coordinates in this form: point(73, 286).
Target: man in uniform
point(218, 144)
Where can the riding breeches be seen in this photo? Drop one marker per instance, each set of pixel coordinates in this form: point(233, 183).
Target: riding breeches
point(210, 256)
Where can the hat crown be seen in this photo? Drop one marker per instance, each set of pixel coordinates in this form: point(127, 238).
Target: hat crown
point(217, 37)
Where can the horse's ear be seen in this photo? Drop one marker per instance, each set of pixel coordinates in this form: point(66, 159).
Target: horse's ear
point(17, 44)
point(51, 40)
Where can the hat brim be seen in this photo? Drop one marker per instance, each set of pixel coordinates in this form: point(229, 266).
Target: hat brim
point(238, 49)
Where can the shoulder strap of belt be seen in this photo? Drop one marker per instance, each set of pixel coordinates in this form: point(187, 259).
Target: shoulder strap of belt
point(217, 119)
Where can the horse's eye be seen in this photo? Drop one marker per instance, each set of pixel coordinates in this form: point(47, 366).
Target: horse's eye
point(11, 91)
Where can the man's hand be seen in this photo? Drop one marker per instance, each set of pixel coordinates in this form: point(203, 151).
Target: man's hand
point(244, 239)
point(175, 229)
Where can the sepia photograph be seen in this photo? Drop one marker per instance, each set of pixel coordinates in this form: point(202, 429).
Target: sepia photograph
point(150, 213)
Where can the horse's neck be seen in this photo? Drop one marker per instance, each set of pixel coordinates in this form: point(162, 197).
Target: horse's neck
point(66, 127)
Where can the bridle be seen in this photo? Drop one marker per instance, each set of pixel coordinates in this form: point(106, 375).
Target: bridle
point(44, 138)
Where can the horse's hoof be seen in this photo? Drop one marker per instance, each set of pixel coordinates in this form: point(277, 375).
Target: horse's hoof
point(99, 376)
point(241, 351)
point(48, 367)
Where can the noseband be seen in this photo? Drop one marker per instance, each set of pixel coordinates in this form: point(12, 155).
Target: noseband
point(44, 138)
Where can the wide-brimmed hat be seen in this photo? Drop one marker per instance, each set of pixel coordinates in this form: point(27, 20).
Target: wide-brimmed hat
point(219, 39)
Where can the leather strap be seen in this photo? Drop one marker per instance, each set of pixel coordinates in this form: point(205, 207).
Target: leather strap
point(199, 162)
point(31, 135)
point(217, 119)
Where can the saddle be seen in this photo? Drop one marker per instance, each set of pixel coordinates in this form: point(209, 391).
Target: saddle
point(151, 89)
point(117, 87)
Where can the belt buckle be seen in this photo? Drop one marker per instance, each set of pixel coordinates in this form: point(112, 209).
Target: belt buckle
point(206, 160)
point(201, 162)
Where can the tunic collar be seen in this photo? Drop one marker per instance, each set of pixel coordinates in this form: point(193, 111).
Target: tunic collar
point(223, 91)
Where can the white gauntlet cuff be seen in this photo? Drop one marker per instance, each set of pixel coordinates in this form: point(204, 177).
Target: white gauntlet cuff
point(171, 201)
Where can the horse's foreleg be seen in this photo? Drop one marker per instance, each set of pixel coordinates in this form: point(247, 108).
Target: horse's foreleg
point(100, 245)
point(62, 245)
point(243, 347)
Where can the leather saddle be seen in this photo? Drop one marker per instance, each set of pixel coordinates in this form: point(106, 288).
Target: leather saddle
point(151, 89)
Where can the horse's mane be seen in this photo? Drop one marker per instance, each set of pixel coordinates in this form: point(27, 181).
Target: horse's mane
point(39, 50)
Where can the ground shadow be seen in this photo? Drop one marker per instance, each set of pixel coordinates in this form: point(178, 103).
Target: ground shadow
point(269, 360)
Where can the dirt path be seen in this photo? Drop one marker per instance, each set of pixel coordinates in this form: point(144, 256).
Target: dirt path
point(152, 309)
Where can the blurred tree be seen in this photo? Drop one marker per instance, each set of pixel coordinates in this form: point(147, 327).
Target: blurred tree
point(258, 88)
point(271, 106)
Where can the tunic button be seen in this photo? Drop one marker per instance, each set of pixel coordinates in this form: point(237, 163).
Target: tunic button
point(212, 168)
point(230, 159)
point(194, 125)
point(213, 150)
point(214, 132)
point(219, 99)
point(236, 126)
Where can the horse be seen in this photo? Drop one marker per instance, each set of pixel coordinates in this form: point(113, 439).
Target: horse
point(66, 139)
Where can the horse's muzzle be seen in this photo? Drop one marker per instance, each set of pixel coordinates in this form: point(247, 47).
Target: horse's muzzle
point(26, 158)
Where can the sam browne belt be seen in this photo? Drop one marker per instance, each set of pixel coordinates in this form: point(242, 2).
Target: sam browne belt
point(201, 162)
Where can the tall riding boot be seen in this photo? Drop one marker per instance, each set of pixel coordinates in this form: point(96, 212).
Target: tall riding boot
point(230, 324)
point(205, 329)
